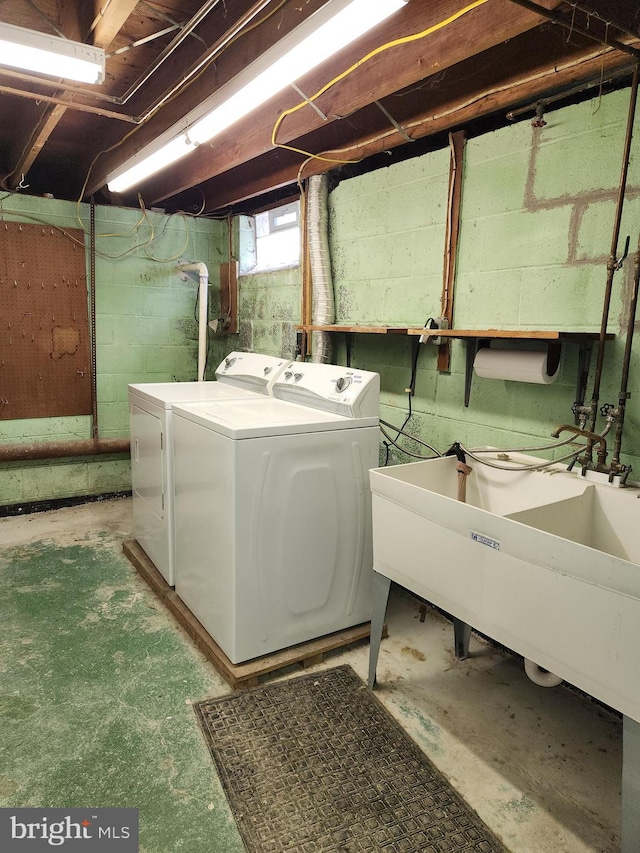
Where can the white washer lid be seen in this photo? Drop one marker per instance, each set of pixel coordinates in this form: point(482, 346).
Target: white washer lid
point(165, 394)
point(266, 417)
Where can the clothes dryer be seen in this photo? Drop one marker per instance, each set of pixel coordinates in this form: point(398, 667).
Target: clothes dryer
point(273, 512)
point(240, 375)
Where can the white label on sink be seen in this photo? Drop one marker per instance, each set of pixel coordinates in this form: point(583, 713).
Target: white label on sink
point(485, 540)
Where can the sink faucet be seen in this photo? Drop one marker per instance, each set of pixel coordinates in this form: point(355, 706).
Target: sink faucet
point(592, 439)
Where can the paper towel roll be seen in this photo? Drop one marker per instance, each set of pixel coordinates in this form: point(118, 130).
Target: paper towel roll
point(515, 365)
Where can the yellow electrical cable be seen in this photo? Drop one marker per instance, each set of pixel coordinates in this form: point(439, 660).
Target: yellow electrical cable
point(375, 52)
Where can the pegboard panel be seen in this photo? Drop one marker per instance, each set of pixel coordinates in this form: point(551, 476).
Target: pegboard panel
point(45, 358)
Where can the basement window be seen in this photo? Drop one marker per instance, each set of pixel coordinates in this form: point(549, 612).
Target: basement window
point(270, 240)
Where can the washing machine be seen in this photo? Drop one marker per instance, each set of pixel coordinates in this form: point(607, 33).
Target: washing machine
point(240, 375)
point(273, 512)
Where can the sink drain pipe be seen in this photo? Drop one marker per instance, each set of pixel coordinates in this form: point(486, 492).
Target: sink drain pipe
point(541, 677)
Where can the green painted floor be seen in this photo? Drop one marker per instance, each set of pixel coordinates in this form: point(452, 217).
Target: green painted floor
point(96, 682)
point(96, 688)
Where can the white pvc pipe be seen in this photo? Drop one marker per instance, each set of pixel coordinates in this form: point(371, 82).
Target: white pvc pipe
point(541, 677)
point(203, 302)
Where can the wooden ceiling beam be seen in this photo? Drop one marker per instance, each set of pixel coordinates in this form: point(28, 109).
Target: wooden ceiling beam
point(404, 65)
point(280, 168)
point(109, 17)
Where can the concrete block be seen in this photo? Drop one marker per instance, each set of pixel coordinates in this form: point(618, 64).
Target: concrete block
point(488, 300)
point(107, 475)
point(114, 417)
point(11, 486)
point(121, 358)
point(568, 298)
point(517, 240)
point(55, 479)
point(495, 185)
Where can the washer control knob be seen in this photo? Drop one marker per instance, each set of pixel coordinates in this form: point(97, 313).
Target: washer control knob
point(228, 362)
point(297, 377)
point(342, 383)
point(288, 374)
point(267, 370)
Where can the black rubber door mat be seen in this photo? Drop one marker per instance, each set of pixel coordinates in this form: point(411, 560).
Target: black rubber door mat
point(316, 764)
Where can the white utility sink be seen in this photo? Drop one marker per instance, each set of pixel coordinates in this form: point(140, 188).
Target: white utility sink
point(545, 562)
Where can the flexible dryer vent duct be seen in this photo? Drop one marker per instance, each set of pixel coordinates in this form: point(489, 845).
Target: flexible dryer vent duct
point(323, 305)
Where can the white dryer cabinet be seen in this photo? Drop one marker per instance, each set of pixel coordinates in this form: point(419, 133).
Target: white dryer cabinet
point(240, 376)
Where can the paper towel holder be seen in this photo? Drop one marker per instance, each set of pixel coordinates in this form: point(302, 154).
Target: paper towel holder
point(554, 353)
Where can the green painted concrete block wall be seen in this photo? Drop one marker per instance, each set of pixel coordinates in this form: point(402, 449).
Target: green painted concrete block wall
point(536, 223)
point(145, 332)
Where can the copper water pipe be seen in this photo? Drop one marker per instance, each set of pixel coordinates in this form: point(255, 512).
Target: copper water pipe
point(612, 263)
point(571, 25)
point(593, 438)
point(623, 395)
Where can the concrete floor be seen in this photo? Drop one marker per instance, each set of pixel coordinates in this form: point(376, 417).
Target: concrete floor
point(96, 683)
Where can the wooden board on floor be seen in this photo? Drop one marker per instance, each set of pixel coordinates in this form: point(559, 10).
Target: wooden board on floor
point(242, 674)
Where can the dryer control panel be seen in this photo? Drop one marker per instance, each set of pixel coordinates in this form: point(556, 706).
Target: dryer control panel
point(251, 370)
point(330, 387)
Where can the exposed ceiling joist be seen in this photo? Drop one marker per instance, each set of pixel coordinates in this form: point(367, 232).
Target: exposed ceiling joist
point(478, 61)
point(108, 17)
point(461, 105)
point(480, 30)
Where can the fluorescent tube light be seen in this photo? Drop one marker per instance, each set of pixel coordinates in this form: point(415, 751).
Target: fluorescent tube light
point(56, 57)
point(319, 37)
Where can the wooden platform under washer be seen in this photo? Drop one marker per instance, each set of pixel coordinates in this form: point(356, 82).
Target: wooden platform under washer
point(242, 674)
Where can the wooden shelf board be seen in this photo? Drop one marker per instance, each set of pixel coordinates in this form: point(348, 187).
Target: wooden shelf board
point(507, 334)
point(363, 330)
point(514, 334)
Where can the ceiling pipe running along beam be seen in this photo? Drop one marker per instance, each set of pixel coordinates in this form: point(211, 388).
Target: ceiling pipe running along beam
point(570, 25)
point(62, 449)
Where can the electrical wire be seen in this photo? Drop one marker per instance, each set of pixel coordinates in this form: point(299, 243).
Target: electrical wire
point(476, 99)
point(410, 392)
point(408, 435)
point(409, 452)
point(373, 53)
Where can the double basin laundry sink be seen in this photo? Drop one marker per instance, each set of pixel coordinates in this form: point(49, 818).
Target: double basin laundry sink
point(545, 562)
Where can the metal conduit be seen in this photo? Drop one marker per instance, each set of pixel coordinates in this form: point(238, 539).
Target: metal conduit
point(210, 54)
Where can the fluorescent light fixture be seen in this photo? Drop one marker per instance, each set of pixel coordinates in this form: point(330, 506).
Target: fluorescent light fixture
point(56, 57)
point(319, 37)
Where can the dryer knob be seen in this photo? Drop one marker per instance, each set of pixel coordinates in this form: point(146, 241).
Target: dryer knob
point(267, 371)
point(288, 374)
point(342, 383)
point(297, 377)
point(228, 362)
